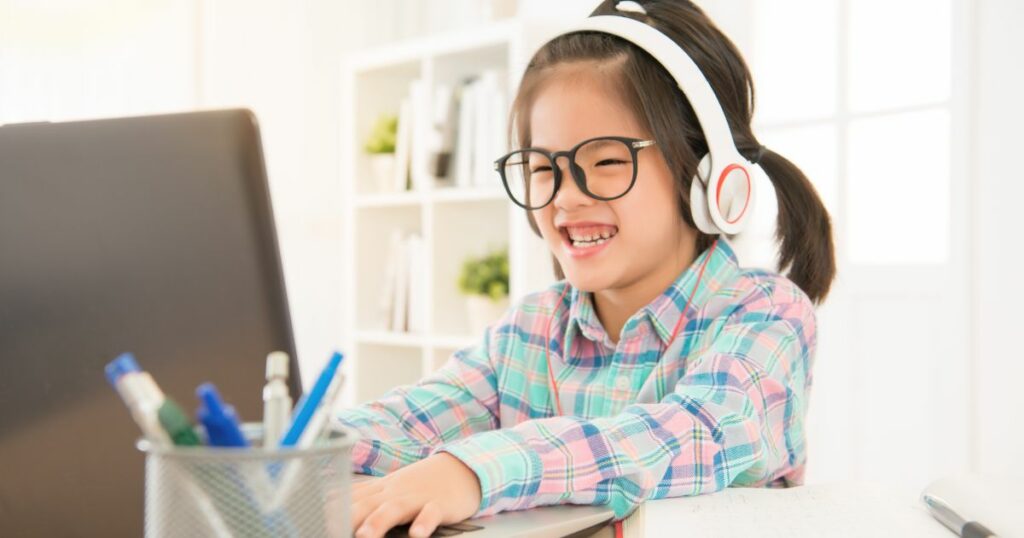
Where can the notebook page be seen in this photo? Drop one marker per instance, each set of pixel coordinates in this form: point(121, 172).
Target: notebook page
point(834, 510)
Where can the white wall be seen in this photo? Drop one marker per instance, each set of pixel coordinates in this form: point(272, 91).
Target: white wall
point(71, 60)
point(281, 59)
point(998, 183)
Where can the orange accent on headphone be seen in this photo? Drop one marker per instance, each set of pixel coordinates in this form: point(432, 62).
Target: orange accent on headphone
point(718, 191)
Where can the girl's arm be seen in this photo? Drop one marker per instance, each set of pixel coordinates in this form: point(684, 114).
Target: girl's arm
point(735, 417)
point(408, 423)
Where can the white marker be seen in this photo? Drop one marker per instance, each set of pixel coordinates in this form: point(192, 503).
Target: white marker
point(277, 403)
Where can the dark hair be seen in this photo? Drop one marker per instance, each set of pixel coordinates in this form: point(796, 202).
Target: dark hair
point(804, 229)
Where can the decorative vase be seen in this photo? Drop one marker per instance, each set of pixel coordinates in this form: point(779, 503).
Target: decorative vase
point(483, 311)
point(382, 168)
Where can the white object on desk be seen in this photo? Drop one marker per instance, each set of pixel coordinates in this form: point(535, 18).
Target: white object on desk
point(834, 510)
point(994, 502)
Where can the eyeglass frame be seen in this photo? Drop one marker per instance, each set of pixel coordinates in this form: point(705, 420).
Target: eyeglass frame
point(634, 145)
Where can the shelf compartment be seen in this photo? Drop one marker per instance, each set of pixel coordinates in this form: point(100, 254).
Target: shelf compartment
point(461, 231)
point(372, 259)
point(383, 367)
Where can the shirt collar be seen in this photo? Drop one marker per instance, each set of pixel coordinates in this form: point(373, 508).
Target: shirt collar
point(664, 311)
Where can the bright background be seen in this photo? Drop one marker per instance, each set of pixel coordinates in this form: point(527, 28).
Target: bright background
point(903, 112)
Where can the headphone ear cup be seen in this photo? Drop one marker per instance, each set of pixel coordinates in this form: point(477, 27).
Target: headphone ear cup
point(699, 198)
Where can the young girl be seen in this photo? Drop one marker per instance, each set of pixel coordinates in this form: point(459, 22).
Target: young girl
point(658, 367)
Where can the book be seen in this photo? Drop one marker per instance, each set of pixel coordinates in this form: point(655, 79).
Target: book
point(415, 262)
point(421, 134)
point(446, 118)
point(399, 308)
point(403, 139)
point(463, 175)
point(387, 298)
point(490, 126)
point(836, 510)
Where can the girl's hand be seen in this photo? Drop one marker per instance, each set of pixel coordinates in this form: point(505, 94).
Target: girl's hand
point(437, 490)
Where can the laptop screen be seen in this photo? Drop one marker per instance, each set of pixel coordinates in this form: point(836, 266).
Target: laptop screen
point(152, 235)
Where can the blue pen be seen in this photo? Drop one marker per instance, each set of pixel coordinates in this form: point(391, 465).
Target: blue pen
point(309, 402)
point(219, 419)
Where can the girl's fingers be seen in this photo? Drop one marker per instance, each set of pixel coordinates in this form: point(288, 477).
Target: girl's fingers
point(363, 484)
point(426, 522)
point(360, 509)
point(364, 502)
point(388, 514)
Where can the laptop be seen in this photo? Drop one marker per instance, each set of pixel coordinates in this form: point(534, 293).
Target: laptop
point(153, 235)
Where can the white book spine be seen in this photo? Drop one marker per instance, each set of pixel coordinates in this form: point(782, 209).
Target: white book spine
point(417, 286)
point(422, 126)
point(399, 318)
point(387, 299)
point(464, 146)
point(403, 138)
point(482, 128)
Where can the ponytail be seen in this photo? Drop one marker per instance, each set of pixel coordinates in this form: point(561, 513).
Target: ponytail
point(804, 229)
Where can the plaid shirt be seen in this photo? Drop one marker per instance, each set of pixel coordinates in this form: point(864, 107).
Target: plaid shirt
point(730, 411)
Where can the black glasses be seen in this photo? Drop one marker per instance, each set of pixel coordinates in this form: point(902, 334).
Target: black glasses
point(603, 168)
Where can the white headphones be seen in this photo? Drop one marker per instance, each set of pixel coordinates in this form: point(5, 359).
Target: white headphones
point(723, 191)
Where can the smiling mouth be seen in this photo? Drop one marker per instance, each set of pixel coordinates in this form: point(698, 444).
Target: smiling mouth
point(590, 236)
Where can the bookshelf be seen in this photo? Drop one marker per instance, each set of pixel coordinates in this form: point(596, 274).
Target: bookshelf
point(454, 222)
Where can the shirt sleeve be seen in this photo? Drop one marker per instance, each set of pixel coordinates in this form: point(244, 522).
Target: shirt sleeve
point(735, 417)
point(408, 423)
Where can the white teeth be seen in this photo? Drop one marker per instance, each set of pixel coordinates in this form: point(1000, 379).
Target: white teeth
point(591, 237)
point(580, 243)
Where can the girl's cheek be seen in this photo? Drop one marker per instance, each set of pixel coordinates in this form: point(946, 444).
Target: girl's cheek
point(545, 223)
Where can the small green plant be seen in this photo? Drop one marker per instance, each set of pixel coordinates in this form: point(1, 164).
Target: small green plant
point(382, 138)
point(486, 276)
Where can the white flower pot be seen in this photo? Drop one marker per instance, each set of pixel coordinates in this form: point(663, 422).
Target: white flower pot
point(483, 311)
point(382, 168)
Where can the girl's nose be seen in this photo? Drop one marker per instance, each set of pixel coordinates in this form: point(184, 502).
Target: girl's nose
point(569, 194)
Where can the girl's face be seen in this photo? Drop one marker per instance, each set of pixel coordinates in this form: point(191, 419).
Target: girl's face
point(648, 238)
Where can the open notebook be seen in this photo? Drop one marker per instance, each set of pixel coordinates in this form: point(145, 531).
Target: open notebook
point(834, 510)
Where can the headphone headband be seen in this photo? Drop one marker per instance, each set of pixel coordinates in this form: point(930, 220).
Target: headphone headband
point(687, 75)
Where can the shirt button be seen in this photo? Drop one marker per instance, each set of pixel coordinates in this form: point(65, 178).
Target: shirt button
point(623, 383)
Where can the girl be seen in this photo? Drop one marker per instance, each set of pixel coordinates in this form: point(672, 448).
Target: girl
point(551, 407)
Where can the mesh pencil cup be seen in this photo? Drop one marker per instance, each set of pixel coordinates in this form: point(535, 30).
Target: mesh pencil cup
point(250, 492)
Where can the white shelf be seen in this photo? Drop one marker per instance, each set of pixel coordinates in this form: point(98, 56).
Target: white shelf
point(495, 34)
point(447, 342)
point(477, 194)
point(454, 342)
point(455, 223)
point(389, 199)
point(389, 338)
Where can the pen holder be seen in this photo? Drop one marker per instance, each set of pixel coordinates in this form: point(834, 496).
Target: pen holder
point(235, 492)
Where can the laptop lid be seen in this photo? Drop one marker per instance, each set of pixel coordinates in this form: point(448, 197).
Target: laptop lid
point(153, 235)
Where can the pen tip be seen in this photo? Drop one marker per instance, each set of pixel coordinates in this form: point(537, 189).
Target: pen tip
point(207, 393)
point(124, 363)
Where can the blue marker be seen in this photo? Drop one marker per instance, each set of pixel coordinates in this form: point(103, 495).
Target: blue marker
point(309, 402)
point(219, 419)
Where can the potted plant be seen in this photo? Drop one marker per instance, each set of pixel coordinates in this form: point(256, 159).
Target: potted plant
point(484, 282)
point(381, 147)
